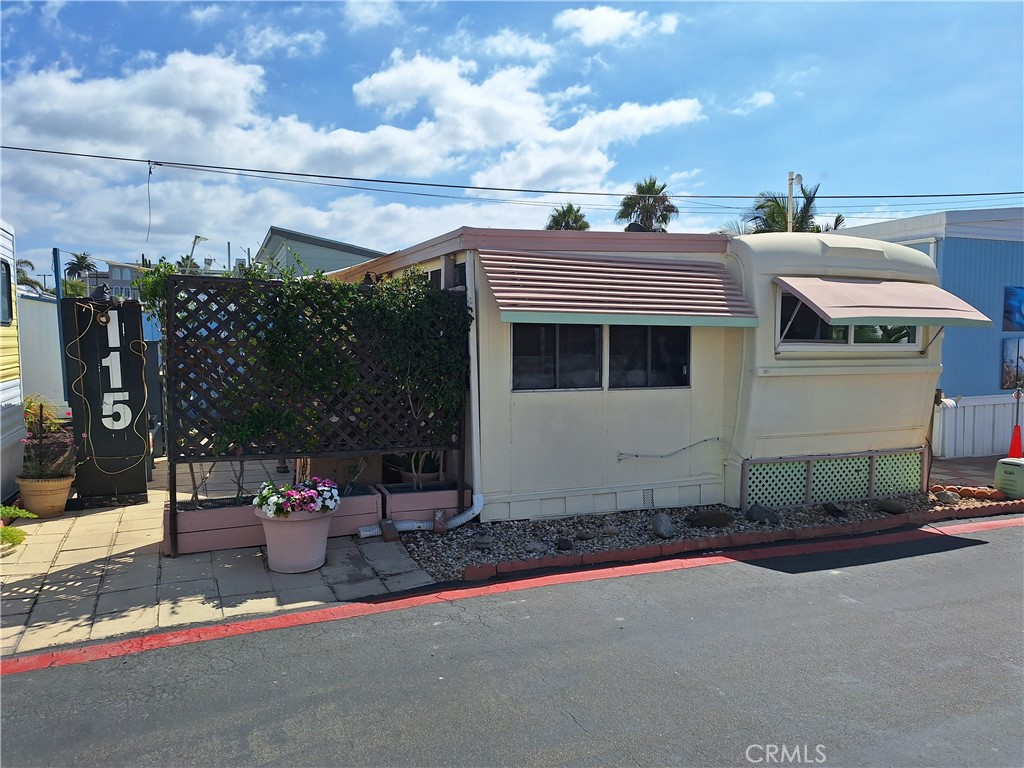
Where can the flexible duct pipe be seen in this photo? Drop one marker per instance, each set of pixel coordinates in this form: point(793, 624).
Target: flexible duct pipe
point(404, 526)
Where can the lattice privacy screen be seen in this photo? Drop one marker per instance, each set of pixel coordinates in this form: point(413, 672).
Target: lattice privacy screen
point(793, 481)
point(225, 387)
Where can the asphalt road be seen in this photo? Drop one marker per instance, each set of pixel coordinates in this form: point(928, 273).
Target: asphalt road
point(903, 655)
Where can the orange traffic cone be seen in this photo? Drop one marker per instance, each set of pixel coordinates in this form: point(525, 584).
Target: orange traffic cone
point(1015, 447)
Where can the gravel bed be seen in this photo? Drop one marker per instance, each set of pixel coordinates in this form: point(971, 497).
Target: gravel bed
point(445, 556)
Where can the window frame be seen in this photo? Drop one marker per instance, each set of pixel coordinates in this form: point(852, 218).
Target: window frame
point(557, 353)
point(648, 352)
point(603, 361)
point(849, 344)
point(8, 298)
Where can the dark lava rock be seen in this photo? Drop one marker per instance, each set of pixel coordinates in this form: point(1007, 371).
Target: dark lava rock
point(892, 506)
point(759, 513)
point(712, 518)
point(562, 544)
point(834, 510)
point(663, 527)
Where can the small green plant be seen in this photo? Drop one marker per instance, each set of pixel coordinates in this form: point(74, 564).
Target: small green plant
point(11, 537)
point(41, 414)
point(417, 464)
point(8, 513)
point(49, 445)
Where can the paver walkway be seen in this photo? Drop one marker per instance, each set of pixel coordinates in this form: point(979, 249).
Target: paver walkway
point(97, 573)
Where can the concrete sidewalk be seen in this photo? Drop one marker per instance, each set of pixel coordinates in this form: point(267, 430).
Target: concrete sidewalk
point(98, 573)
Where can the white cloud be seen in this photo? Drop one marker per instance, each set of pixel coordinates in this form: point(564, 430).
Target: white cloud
point(572, 93)
point(601, 25)
point(440, 116)
point(759, 100)
point(681, 179)
point(369, 14)
point(260, 42)
point(467, 116)
point(509, 44)
point(205, 15)
point(667, 23)
point(51, 10)
point(577, 157)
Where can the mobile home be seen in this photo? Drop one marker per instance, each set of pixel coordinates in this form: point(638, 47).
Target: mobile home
point(12, 422)
point(615, 371)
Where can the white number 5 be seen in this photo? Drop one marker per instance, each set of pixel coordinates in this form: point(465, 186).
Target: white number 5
point(116, 415)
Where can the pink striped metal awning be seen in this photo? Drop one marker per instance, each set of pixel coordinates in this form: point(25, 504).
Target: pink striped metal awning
point(882, 302)
point(534, 287)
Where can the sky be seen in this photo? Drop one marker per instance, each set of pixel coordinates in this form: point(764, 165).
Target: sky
point(550, 102)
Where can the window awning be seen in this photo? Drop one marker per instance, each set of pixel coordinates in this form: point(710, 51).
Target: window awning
point(881, 302)
point(576, 288)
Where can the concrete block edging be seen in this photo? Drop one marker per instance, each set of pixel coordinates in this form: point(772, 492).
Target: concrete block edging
point(485, 571)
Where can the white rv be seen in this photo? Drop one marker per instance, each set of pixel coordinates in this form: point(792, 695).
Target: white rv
point(12, 420)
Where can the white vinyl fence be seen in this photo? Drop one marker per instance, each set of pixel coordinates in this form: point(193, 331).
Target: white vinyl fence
point(975, 426)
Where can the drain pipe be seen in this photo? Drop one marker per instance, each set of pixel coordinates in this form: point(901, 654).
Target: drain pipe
point(404, 526)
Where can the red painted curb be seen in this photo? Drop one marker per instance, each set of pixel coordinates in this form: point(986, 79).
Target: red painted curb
point(116, 649)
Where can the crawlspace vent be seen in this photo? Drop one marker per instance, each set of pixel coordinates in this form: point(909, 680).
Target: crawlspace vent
point(897, 473)
point(777, 484)
point(838, 479)
point(648, 498)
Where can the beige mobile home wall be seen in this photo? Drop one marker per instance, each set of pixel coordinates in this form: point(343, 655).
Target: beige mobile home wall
point(552, 453)
point(807, 403)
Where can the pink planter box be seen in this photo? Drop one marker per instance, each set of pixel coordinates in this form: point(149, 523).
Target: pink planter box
point(363, 507)
point(207, 530)
point(403, 503)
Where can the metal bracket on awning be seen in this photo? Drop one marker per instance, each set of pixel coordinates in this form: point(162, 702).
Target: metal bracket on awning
point(792, 319)
point(932, 339)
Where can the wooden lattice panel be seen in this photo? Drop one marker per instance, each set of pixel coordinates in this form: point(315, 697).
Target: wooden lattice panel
point(222, 378)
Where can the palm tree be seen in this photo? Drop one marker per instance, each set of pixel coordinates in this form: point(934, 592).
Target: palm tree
point(24, 278)
point(73, 288)
point(80, 266)
point(568, 216)
point(768, 213)
point(187, 265)
point(650, 206)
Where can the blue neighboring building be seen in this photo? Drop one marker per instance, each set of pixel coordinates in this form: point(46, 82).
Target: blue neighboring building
point(979, 255)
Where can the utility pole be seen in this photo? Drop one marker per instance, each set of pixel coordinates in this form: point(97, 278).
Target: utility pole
point(789, 208)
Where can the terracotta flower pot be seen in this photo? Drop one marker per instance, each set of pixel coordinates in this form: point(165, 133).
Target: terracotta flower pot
point(297, 543)
point(45, 497)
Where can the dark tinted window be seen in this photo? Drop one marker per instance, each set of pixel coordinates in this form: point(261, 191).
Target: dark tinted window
point(648, 356)
point(798, 322)
point(549, 356)
point(7, 299)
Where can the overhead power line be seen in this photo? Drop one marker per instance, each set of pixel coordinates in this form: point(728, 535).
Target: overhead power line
point(312, 178)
